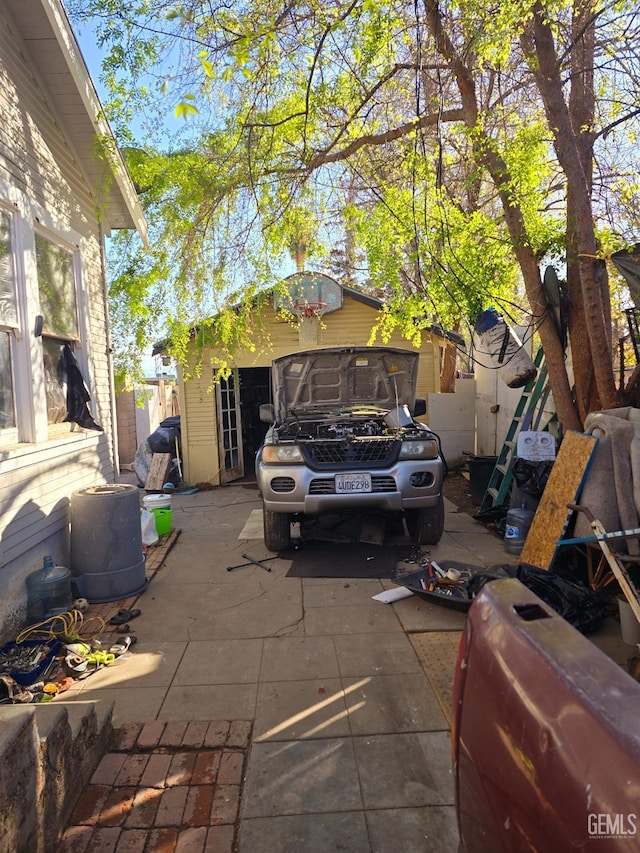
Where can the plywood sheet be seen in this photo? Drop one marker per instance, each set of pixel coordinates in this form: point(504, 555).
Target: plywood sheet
point(158, 472)
point(563, 487)
point(253, 526)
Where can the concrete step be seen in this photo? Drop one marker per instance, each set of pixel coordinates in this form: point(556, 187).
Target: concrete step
point(48, 753)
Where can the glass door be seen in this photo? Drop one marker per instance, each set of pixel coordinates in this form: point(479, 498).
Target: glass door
point(229, 429)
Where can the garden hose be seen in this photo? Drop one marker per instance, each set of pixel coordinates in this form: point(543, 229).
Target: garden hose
point(66, 627)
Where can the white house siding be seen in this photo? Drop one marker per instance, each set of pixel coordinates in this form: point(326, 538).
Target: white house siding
point(274, 337)
point(47, 187)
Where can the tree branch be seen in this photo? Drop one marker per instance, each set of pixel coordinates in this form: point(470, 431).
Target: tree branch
point(607, 130)
point(323, 157)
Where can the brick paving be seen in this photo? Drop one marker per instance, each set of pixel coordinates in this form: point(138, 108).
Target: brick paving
point(171, 787)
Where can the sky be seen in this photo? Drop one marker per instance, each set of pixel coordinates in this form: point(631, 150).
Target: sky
point(91, 54)
point(93, 58)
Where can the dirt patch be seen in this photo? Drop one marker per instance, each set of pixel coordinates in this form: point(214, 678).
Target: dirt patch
point(456, 489)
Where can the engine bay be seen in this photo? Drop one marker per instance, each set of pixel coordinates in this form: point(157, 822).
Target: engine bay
point(342, 428)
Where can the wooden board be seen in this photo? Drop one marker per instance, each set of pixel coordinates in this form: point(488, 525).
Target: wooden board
point(563, 487)
point(158, 472)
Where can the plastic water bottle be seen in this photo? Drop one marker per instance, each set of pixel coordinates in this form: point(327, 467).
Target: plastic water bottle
point(48, 591)
point(518, 523)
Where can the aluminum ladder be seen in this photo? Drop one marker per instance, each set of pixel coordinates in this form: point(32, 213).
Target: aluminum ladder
point(527, 416)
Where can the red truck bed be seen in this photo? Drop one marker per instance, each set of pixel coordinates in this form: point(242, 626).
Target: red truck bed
point(546, 734)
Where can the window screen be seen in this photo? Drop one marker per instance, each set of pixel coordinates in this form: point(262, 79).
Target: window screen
point(8, 309)
point(7, 408)
point(57, 288)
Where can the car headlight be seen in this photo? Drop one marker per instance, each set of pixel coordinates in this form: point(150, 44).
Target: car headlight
point(423, 449)
point(281, 454)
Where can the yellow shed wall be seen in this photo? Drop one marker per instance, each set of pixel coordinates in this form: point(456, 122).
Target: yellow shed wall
point(274, 337)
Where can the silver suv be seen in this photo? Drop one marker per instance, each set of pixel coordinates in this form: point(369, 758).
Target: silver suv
point(343, 438)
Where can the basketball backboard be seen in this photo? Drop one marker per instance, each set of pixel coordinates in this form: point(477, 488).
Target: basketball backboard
point(308, 288)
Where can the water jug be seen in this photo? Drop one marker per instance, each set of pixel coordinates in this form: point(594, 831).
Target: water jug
point(518, 523)
point(48, 591)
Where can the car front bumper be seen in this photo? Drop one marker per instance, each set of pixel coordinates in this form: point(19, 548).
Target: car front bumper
point(298, 489)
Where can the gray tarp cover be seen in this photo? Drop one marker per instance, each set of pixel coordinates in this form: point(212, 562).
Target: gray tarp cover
point(612, 487)
point(627, 262)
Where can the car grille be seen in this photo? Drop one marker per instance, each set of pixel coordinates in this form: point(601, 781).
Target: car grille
point(327, 485)
point(360, 452)
point(282, 484)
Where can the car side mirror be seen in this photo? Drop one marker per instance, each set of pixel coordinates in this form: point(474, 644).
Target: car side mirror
point(420, 407)
point(267, 413)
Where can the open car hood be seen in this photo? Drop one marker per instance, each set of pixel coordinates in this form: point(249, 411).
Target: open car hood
point(344, 378)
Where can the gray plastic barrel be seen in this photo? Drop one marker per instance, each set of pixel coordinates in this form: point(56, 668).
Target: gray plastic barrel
point(518, 523)
point(107, 562)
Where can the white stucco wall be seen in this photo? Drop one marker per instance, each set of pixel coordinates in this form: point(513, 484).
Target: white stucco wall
point(453, 418)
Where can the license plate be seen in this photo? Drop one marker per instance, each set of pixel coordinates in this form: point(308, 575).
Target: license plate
point(348, 484)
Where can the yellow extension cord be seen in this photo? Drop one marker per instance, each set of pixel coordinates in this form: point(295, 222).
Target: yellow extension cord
point(70, 625)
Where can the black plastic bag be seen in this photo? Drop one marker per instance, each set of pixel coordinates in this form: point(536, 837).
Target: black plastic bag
point(531, 477)
point(578, 604)
point(163, 438)
point(77, 393)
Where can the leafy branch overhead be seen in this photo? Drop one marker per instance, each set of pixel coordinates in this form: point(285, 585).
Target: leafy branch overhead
point(439, 155)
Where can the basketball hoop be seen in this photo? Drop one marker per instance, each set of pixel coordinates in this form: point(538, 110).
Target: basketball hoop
point(309, 309)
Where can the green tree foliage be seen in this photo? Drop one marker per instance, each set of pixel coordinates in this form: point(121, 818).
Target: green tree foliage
point(418, 134)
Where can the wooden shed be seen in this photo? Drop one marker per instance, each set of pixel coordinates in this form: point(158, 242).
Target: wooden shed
point(221, 428)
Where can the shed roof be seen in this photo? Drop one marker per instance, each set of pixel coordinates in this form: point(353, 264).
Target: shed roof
point(61, 72)
point(366, 299)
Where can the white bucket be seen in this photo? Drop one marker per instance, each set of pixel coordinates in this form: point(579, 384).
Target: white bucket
point(152, 502)
point(629, 625)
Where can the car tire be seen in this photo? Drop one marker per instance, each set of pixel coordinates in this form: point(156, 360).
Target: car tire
point(426, 525)
point(277, 530)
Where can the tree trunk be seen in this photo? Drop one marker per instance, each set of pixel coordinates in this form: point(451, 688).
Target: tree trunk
point(581, 113)
point(592, 305)
point(487, 156)
point(528, 262)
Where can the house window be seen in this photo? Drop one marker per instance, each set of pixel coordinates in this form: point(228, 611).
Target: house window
point(58, 306)
point(8, 322)
point(57, 289)
point(38, 320)
point(54, 386)
point(7, 407)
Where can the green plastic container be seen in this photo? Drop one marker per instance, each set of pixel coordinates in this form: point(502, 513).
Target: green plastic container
point(163, 520)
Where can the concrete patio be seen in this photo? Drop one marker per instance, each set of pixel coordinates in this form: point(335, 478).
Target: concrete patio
point(350, 744)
